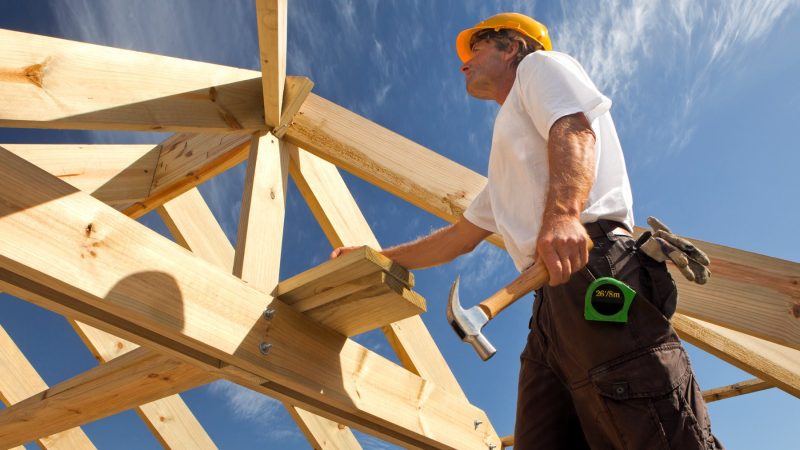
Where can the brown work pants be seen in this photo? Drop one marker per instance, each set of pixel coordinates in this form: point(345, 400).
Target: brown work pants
point(605, 385)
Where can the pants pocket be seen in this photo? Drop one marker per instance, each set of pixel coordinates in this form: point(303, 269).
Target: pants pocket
point(651, 401)
point(658, 285)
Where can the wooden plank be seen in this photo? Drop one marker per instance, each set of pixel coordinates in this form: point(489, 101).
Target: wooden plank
point(114, 174)
point(95, 262)
point(258, 243)
point(271, 16)
point(384, 158)
point(259, 240)
point(773, 363)
point(336, 272)
point(103, 391)
point(322, 433)
point(168, 418)
point(187, 160)
point(47, 82)
point(734, 390)
point(330, 200)
point(193, 224)
point(346, 288)
point(19, 380)
point(340, 217)
point(747, 292)
point(371, 308)
point(189, 220)
point(176, 427)
point(294, 94)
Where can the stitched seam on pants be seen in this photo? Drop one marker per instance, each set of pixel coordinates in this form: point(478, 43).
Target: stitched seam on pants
point(655, 417)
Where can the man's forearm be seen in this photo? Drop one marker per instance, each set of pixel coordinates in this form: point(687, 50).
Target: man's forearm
point(439, 247)
point(562, 242)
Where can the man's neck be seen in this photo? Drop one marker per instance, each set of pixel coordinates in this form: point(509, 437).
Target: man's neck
point(504, 85)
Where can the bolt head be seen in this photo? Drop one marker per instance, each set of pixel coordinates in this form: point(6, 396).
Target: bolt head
point(264, 348)
point(269, 313)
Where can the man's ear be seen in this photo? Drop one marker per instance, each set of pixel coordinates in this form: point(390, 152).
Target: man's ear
point(511, 51)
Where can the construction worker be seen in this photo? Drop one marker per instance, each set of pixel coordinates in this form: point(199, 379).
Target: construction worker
point(557, 180)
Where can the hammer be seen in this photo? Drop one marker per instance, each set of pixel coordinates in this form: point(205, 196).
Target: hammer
point(468, 323)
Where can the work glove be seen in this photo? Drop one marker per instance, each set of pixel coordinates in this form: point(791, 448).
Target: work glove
point(663, 245)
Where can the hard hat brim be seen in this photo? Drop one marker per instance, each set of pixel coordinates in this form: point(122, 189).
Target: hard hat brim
point(462, 43)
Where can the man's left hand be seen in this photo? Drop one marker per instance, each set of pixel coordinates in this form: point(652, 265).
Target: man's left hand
point(563, 247)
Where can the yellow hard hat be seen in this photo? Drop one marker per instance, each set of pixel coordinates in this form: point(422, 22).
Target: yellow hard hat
point(510, 21)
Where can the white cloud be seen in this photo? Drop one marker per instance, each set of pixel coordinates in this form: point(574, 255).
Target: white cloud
point(643, 51)
point(486, 264)
point(256, 408)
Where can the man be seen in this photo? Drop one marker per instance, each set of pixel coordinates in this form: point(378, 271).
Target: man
point(557, 181)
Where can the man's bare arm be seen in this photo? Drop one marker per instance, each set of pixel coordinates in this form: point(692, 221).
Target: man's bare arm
point(562, 241)
point(441, 246)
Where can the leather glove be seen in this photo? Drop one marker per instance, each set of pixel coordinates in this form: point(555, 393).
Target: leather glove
point(663, 245)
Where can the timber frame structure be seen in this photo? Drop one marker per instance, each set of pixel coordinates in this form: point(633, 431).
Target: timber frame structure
point(217, 311)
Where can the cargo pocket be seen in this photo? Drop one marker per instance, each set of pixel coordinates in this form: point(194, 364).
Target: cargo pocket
point(648, 400)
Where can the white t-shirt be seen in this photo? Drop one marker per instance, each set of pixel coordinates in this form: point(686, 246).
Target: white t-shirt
point(549, 85)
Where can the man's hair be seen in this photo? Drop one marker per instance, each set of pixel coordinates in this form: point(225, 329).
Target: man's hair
point(502, 40)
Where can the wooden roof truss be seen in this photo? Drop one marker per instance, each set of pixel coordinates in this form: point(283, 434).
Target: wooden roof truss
point(69, 243)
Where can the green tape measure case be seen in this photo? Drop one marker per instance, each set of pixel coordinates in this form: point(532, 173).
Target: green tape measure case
point(608, 300)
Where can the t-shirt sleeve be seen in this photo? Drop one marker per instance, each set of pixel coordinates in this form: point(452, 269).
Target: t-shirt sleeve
point(553, 87)
point(479, 212)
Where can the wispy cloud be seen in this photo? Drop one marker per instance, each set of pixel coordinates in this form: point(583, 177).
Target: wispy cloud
point(250, 406)
point(487, 264)
point(640, 51)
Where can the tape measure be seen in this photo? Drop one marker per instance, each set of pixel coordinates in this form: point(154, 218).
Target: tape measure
point(608, 300)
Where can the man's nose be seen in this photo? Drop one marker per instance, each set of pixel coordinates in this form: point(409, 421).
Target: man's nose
point(465, 66)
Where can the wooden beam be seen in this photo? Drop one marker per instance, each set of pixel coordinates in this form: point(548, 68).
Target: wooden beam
point(734, 390)
point(168, 418)
point(113, 174)
point(773, 363)
point(103, 391)
point(260, 236)
point(194, 227)
point(258, 244)
point(101, 265)
point(184, 162)
point(294, 94)
point(330, 201)
point(384, 158)
point(176, 427)
point(271, 16)
point(343, 223)
point(196, 234)
point(747, 292)
point(19, 380)
point(53, 83)
point(353, 294)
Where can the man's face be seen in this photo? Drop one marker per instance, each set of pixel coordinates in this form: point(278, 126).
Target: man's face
point(483, 71)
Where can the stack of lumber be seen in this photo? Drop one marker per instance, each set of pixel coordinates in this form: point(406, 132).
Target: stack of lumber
point(354, 293)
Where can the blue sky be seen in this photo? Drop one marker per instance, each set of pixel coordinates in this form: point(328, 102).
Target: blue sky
point(706, 103)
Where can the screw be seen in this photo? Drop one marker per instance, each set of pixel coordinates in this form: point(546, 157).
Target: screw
point(269, 313)
point(477, 423)
point(264, 348)
point(491, 446)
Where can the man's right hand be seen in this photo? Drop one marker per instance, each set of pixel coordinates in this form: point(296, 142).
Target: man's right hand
point(563, 247)
point(339, 251)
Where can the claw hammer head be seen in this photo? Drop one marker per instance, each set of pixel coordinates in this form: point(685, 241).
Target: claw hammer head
point(468, 324)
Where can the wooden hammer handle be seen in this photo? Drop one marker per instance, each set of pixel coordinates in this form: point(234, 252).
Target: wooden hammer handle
point(530, 280)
